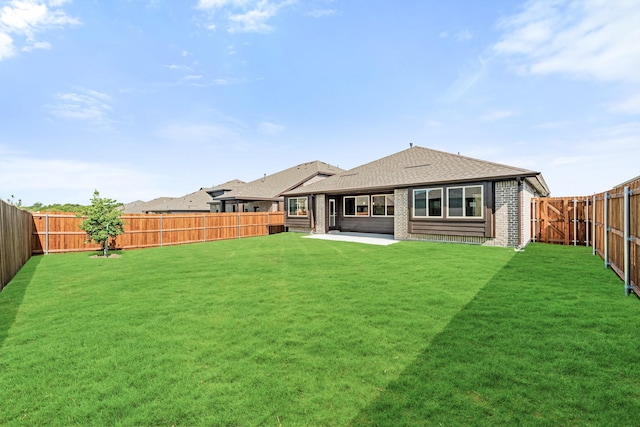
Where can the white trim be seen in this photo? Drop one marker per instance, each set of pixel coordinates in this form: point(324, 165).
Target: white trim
point(344, 206)
point(386, 205)
point(464, 213)
point(306, 206)
point(413, 203)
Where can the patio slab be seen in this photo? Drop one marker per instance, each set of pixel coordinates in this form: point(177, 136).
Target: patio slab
point(366, 238)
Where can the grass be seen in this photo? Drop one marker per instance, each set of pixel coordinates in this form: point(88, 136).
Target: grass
point(281, 330)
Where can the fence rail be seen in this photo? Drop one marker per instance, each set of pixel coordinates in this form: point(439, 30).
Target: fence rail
point(15, 241)
point(609, 222)
point(60, 232)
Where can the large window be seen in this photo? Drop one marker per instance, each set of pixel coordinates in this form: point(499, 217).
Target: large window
point(465, 202)
point(382, 205)
point(356, 206)
point(427, 203)
point(298, 206)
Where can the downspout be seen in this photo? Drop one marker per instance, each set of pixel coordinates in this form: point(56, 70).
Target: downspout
point(312, 211)
point(520, 186)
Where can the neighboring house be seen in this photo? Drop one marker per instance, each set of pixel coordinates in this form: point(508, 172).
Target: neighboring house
point(196, 202)
point(219, 190)
point(265, 194)
point(422, 194)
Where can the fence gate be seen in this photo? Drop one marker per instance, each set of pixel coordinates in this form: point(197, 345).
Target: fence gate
point(561, 220)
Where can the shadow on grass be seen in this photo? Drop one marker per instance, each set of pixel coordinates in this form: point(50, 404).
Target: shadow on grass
point(547, 341)
point(12, 295)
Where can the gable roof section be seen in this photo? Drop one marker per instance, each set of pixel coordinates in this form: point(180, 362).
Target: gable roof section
point(196, 202)
point(419, 166)
point(272, 186)
point(226, 186)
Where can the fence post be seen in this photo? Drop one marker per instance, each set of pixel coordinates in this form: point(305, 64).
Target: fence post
point(586, 224)
point(606, 229)
point(160, 230)
point(575, 222)
point(594, 225)
point(46, 233)
point(627, 241)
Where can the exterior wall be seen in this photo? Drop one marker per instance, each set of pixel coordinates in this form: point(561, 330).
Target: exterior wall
point(263, 206)
point(506, 219)
point(401, 223)
point(321, 214)
point(506, 216)
point(316, 178)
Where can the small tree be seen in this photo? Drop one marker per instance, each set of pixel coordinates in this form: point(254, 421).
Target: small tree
point(102, 221)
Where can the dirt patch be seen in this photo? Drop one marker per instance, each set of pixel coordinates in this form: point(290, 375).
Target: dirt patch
point(110, 256)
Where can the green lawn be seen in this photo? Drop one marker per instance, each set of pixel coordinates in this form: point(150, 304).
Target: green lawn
point(282, 330)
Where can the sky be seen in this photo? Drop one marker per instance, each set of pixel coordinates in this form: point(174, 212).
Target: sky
point(147, 98)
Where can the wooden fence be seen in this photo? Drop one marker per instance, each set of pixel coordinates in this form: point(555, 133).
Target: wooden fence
point(609, 222)
point(15, 241)
point(59, 232)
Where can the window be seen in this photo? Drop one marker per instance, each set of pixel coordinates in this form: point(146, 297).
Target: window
point(465, 202)
point(427, 203)
point(298, 206)
point(382, 205)
point(356, 206)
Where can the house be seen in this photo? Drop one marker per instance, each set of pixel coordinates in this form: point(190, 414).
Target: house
point(219, 190)
point(422, 194)
point(265, 194)
point(196, 202)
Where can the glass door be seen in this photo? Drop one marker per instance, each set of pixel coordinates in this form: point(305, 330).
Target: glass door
point(332, 213)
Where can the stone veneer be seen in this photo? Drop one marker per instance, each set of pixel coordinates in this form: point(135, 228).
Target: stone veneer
point(505, 217)
point(321, 225)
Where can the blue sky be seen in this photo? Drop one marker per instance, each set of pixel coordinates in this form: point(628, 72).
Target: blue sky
point(141, 99)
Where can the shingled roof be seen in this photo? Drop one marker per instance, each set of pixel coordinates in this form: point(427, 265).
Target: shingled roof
point(271, 187)
point(225, 186)
point(419, 166)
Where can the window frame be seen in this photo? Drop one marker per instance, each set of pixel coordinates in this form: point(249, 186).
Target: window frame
point(428, 190)
point(296, 215)
point(386, 205)
point(464, 210)
point(355, 214)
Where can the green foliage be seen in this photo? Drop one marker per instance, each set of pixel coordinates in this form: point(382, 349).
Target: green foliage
point(55, 207)
point(12, 201)
point(102, 221)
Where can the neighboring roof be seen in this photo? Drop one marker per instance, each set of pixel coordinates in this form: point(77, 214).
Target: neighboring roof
point(271, 187)
point(227, 186)
point(142, 207)
point(196, 202)
point(133, 207)
point(419, 166)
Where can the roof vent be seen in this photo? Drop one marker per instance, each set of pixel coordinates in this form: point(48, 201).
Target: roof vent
point(264, 177)
point(411, 145)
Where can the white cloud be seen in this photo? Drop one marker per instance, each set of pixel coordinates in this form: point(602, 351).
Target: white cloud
point(467, 79)
point(459, 36)
point(35, 179)
point(26, 19)
point(7, 49)
point(586, 39)
point(629, 105)
point(321, 13)
point(463, 35)
point(497, 115)
point(198, 133)
point(270, 129)
point(84, 104)
point(244, 16)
